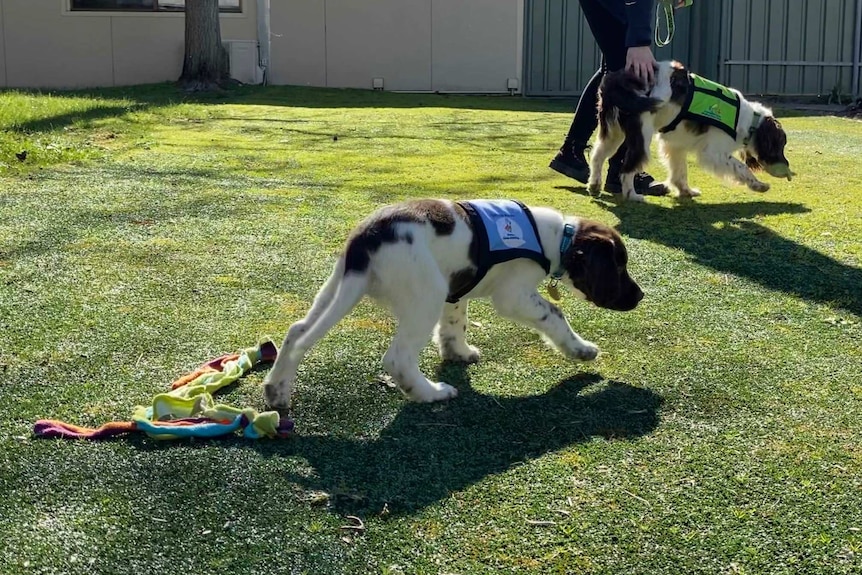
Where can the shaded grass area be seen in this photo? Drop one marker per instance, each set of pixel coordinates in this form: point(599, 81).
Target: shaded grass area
point(718, 432)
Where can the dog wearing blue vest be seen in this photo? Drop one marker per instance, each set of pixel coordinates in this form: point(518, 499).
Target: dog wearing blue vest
point(426, 259)
point(690, 115)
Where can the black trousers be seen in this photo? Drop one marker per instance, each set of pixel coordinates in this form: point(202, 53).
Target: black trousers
point(610, 34)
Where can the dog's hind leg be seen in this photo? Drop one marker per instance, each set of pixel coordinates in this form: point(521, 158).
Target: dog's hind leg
point(417, 301)
point(608, 142)
point(338, 296)
point(450, 334)
point(638, 139)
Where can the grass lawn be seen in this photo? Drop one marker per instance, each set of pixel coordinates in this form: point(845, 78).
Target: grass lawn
point(718, 432)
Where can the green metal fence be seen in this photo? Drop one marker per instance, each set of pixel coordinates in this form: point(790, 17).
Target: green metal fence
point(778, 47)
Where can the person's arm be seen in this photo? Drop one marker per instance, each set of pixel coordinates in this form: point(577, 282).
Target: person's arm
point(639, 57)
point(639, 16)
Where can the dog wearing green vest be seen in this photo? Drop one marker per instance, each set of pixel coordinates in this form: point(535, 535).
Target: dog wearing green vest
point(731, 136)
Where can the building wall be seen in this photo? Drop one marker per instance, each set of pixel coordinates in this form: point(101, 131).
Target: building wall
point(478, 48)
point(298, 43)
point(422, 45)
point(389, 39)
point(44, 45)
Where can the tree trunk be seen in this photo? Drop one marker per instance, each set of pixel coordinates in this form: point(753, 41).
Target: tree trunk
point(205, 65)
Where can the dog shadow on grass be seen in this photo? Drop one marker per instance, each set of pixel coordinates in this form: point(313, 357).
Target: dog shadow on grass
point(430, 451)
point(727, 238)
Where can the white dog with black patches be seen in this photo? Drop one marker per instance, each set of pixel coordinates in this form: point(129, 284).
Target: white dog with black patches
point(690, 115)
point(425, 259)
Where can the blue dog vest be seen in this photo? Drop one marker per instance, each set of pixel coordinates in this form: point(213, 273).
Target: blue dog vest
point(505, 230)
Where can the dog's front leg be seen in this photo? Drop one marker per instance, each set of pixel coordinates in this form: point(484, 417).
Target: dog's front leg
point(745, 176)
point(728, 166)
point(531, 309)
point(450, 335)
point(677, 169)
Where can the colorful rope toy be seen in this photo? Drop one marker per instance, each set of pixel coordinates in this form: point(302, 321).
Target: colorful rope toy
point(189, 409)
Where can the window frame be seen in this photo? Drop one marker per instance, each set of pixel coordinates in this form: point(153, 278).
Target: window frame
point(70, 8)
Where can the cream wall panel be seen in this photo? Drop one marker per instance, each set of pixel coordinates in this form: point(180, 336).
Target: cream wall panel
point(241, 26)
point(389, 39)
point(298, 42)
point(147, 50)
point(476, 44)
point(46, 49)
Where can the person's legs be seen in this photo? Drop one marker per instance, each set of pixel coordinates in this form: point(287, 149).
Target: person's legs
point(571, 159)
point(609, 33)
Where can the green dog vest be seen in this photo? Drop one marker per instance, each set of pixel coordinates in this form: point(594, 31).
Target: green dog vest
point(709, 103)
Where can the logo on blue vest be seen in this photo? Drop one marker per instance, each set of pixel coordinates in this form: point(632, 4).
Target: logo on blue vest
point(510, 232)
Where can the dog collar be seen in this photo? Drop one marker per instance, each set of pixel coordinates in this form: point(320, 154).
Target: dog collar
point(565, 244)
point(755, 123)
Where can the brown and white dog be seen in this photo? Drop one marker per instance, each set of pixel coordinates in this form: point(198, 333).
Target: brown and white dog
point(630, 112)
point(413, 257)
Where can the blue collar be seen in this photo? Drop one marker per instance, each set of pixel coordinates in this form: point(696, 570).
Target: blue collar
point(565, 244)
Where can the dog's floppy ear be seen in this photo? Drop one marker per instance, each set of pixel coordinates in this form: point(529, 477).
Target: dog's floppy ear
point(592, 267)
point(751, 161)
point(602, 270)
point(769, 141)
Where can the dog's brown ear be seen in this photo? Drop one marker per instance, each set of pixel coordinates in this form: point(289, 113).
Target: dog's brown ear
point(769, 141)
point(679, 83)
point(592, 267)
point(602, 271)
point(751, 161)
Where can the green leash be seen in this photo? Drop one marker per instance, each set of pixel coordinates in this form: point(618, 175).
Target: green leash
point(666, 7)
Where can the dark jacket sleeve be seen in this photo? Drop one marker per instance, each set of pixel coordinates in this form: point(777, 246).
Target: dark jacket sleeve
point(639, 18)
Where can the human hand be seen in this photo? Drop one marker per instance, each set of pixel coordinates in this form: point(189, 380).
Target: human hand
point(640, 62)
point(682, 3)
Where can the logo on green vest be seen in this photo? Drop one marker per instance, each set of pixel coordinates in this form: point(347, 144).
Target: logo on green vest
point(713, 112)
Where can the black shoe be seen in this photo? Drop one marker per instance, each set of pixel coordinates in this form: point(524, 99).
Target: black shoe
point(645, 185)
point(571, 163)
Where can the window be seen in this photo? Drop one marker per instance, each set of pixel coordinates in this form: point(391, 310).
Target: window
point(148, 5)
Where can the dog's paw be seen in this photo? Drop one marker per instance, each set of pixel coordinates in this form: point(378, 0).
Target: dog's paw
point(468, 354)
point(633, 196)
point(758, 186)
point(434, 391)
point(689, 192)
point(587, 352)
point(581, 350)
point(277, 394)
point(594, 186)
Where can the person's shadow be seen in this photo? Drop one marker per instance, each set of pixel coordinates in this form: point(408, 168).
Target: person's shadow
point(725, 238)
point(429, 451)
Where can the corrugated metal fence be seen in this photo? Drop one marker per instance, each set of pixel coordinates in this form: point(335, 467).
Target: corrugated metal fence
point(778, 47)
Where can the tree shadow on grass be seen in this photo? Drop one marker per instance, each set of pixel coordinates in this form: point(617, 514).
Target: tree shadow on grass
point(724, 238)
point(59, 121)
point(144, 97)
point(430, 451)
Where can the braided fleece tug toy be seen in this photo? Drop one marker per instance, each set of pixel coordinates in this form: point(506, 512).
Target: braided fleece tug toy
point(189, 409)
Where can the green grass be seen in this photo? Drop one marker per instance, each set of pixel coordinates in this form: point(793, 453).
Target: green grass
point(718, 432)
